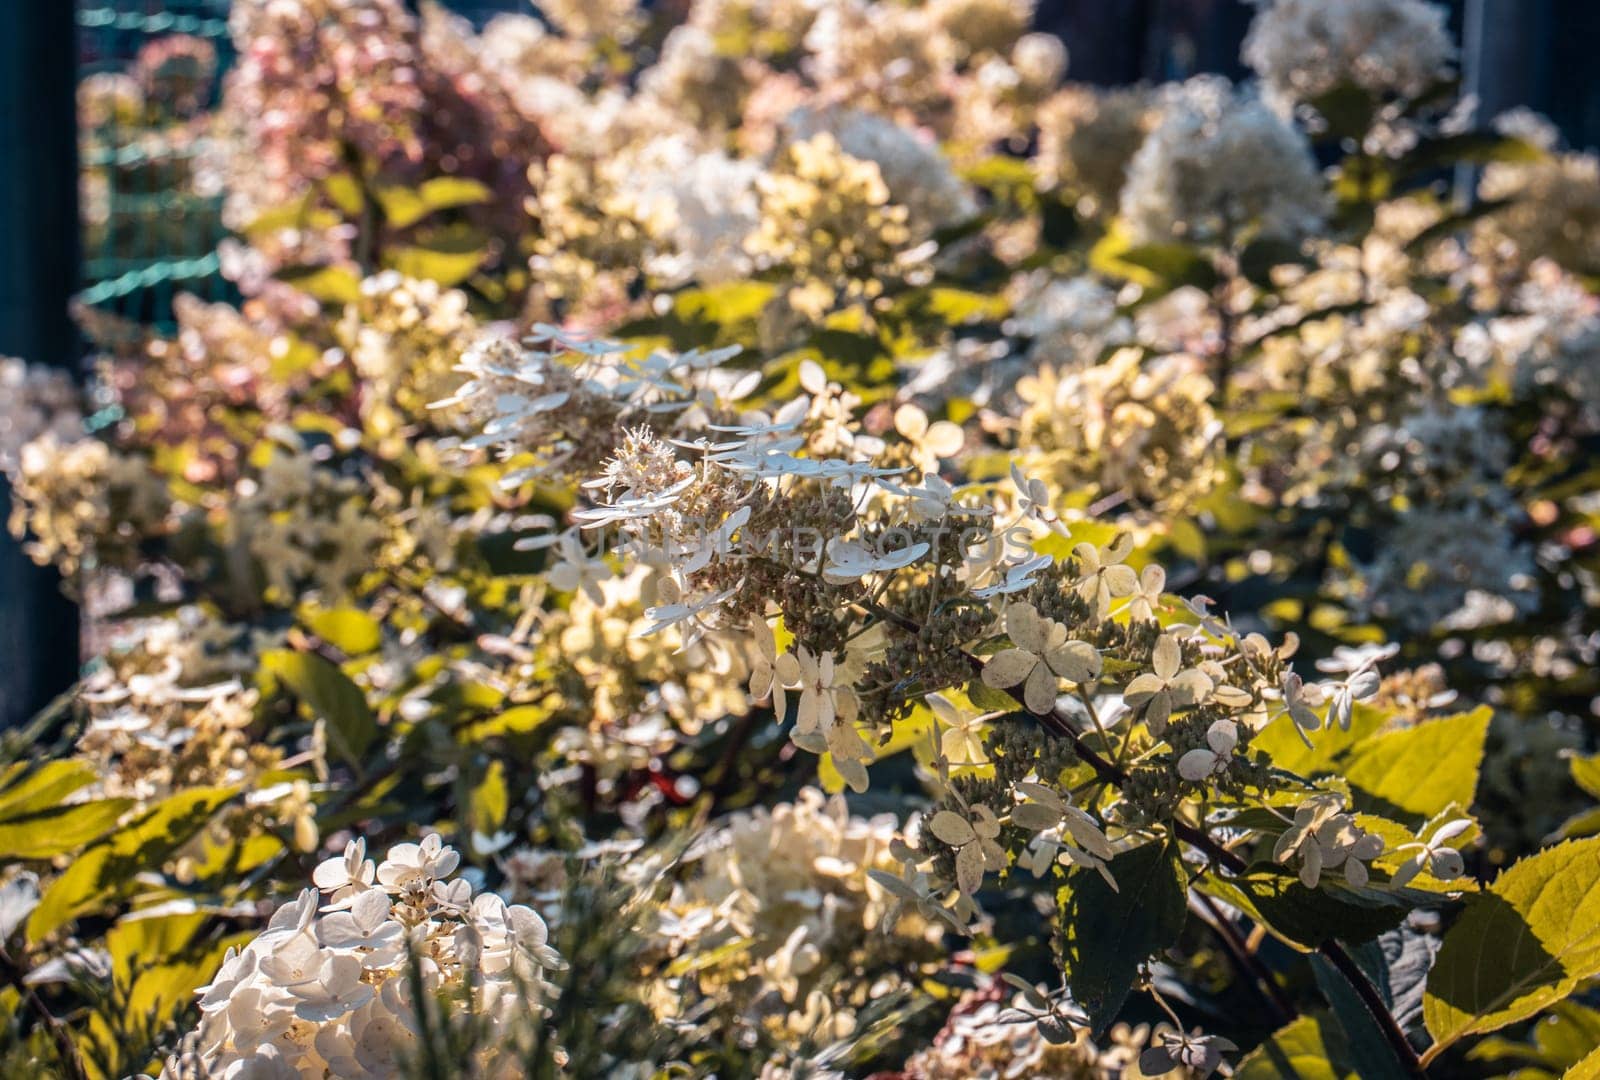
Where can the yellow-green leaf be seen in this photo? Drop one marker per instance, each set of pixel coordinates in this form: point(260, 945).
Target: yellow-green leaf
point(329, 284)
point(344, 191)
point(403, 207)
point(350, 630)
point(44, 787)
point(1311, 1048)
point(490, 800)
point(1587, 1069)
point(1328, 747)
point(111, 866)
point(1523, 945)
point(1416, 772)
point(58, 829)
point(1586, 773)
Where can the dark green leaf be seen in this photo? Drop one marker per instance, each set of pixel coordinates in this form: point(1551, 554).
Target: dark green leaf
point(1104, 935)
point(330, 694)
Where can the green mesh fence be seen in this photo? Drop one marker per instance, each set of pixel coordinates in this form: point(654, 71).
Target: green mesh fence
point(149, 73)
point(147, 81)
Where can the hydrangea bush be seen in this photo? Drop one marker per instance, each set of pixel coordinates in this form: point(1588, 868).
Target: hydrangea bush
point(820, 549)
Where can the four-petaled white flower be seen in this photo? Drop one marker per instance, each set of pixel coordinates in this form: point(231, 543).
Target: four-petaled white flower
point(961, 741)
point(1299, 701)
point(691, 613)
point(772, 671)
point(974, 838)
point(512, 937)
point(576, 570)
point(365, 931)
point(415, 867)
point(1196, 1053)
point(1104, 577)
point(1039, 654)
point(1018, 576)
point(1056, 1017)
point(930, 443)
point(1324, 838)
point(1211, 759)
point(1358, 686)
point(851, 561)
point(1033, 500)
point(718, 542)
point(1146, 599)
point(336, 990)
point(1048, 811)
point(1350, 660)
point(912, 889)
point(1168, 686)
point(1434, 855)
point(818, 706)
point(347, 876)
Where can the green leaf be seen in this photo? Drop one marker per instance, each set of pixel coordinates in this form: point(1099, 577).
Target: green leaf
point(329, 284)
point(58, 829)
point(517, 720)
point(110, 867)
point(1586, 773)
point(1560, 1040)
point(344, 191)
point(1451, 224)
point(1306, 918)
point(403, 207)
point(1367, 1048)
point(1414, 773)
point(448, 256)
point(1583, 823)
point(1159, 268)
point(1311, 1048)
point(1347, 108)
point(1187, 539)
point(1261, 256)
point(330, 694)
point(44, 787)
point(350, 630)
point(1328, 748)
point(957, 306)
point(1523, 945)
point(1477, 147)
point(725, 305)
point(490, 801)
point(1104, 935)
point(1587, 1069)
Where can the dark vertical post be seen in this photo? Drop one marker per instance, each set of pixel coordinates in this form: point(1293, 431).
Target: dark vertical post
point(38, 274)
point(1106, 42)
point(1498, 54)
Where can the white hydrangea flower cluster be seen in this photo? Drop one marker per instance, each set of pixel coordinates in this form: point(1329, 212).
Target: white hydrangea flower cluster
point(1453, 462)
point(793, 883)
point(702, 206)
point(1303, 49)
point(1551, 338)
point(325, 990)
point(1218, 164)
point(561, 397)
point(917, 174)
point(1071, 321)
point(35, 402)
